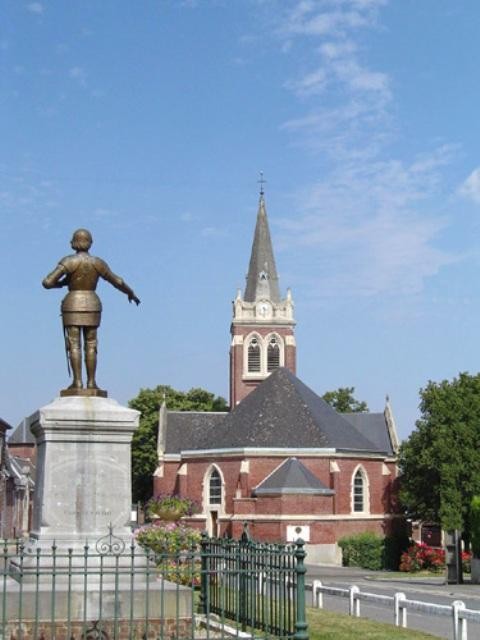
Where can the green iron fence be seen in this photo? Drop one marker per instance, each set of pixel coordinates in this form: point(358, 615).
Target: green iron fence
point(257, 586)
point(113, 590)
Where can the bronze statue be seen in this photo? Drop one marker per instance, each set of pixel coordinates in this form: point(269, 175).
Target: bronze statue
point(81, 308)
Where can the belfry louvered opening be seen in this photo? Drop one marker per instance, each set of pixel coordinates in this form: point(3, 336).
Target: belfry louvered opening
point(254, 356)
point(273, 354)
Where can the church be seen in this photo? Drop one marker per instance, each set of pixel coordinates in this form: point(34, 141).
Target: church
point(282, 460)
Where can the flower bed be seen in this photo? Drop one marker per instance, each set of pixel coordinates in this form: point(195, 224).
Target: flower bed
point(170, 507)
point(419, 556)
point(174, 546)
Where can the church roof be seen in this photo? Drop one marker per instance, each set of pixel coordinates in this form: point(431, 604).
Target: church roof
point(292, 477)
point(282, 412)
point(262, 278)
point(185, 428)
point(372, 426)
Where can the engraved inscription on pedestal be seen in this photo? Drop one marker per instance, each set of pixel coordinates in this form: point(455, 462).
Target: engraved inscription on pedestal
point(83, 470)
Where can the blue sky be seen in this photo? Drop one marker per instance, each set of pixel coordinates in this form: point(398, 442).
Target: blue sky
point(148, 123)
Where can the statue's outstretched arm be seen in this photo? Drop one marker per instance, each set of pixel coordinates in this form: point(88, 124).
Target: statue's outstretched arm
point(118, 282)
point(57, 279)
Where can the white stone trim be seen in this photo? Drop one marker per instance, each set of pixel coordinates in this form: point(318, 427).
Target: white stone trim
point(285, 517)
point(183, 470)
point(262, 451)
point(334, 468)
point(263, 343)
point(366, 490)
point(158, 473)
point(290, 341)
point(206, 505)
point(385, 470)
point(245, 466)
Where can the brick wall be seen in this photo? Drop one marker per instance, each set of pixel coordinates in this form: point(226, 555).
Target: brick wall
point(269, 516)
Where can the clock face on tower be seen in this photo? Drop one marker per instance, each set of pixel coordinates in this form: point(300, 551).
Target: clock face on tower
point(264, 309)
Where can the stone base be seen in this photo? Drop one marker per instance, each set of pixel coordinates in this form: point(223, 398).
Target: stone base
point(328, 554)
point(79, 609)
point(83, 485)
point(83, 393)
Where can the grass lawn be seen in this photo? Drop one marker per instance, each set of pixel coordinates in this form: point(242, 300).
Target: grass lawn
point(325, 625)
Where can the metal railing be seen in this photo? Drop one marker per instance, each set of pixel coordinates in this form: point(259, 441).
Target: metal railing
point(400, 605)
point(114, 590)
point(258, 586)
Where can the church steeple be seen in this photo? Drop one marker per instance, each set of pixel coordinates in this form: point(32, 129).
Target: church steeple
point(263, 322)
point(262, 278)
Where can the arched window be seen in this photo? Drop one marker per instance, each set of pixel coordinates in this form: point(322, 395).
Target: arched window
point(273, 354)
point(360, 492)
point(215, 488)
point(254, 358)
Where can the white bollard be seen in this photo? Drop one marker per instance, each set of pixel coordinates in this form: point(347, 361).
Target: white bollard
point(400, 611)
point(354, 601)
point(459, 623)
point(317, 594)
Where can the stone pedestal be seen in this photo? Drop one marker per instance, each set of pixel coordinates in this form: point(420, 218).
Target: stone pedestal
point(79, 565)
point(83, 480)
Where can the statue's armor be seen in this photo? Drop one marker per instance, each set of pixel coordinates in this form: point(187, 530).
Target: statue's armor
point(81, 306)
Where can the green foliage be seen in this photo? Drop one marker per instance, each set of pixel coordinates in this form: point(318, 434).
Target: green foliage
point(475, 526)
point(393, 547)
point(362, 550)
point(173, 546)
point(440, 461)
point(342, 400)
point(144, 444)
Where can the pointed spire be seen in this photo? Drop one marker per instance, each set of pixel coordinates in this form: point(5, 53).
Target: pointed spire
point(262, 278)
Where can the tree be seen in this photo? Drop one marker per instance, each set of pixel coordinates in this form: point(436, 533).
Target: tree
point(144, 444)
point(342, 400)
point(440, 461)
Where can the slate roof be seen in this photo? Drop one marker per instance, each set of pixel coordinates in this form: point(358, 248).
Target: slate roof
point(292, 477)
point(22, 434)
point(262, 261)
point(186, 428)
point(282, 412)
point(372, 426)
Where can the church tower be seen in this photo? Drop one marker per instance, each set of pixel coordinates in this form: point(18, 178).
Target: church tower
point(262, 328)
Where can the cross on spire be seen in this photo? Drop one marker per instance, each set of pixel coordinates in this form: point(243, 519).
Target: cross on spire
point(261, 182)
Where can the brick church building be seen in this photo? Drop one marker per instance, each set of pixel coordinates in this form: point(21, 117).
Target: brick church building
point(282, 459)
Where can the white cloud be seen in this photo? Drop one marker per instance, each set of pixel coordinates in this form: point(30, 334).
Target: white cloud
point(471, 186)
point(370, 228)
point(35, 7)
point(79, 75)
point(314, 18)
point(314, 82)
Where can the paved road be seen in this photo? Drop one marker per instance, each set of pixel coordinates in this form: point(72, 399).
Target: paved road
point(427, 590)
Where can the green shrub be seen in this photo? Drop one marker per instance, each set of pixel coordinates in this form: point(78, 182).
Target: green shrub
point(393, 547)
point(475, 525)
point(364, 550)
